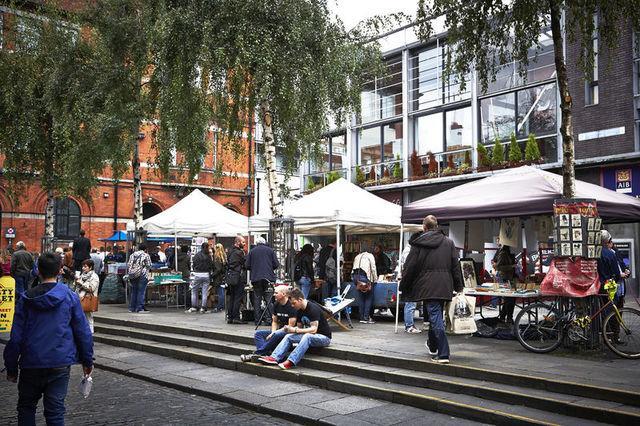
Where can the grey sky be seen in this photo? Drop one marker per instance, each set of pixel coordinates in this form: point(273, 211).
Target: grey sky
point(353, 11)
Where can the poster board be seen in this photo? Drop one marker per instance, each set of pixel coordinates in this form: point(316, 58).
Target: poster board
point(7, 303)
point(469, 276)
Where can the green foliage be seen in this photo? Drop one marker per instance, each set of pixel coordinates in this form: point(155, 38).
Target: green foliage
point(531, 149)
point(515, 154)
point(496, 31)
point(483, 155)
point(52, 117)
point(467, 159)
point(360, 178)
point(311, 185)
point(397, 168)
point(497, 154)
point(333, 176)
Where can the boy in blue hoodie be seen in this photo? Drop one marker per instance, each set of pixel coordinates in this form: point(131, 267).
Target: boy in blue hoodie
point(49, 334)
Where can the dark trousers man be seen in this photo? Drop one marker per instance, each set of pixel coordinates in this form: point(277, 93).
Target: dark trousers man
point(437, 339)
point(48, 383)
point(236, 291)
point(261, 291)
point(22, 283)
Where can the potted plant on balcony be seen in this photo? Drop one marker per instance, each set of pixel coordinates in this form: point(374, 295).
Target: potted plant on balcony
point(497, 155)
point(397, 170)
point(333, 176)
point(360, 178)
point(532, 151)
point(371, 177)
point(416, 166)
point(311, 185)
point(484, 161)
point(515, 154)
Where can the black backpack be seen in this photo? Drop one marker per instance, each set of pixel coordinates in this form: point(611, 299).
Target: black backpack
point(297, 270)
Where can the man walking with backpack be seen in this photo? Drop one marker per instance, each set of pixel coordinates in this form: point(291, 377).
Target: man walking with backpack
point(138, 272)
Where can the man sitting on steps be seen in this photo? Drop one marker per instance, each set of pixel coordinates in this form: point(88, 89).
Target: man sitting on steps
point(312, 331)
point(283, 314)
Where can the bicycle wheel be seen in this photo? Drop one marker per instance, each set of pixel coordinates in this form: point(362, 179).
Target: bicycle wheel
point(539, 328)
point(623, 338)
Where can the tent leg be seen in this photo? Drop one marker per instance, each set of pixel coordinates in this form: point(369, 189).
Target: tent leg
point(398, 281)
point(338, 266)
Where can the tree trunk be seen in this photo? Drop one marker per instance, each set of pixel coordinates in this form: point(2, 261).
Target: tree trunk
point(137, 190)
point(566, 126)
point(273, 183)
point(49, 221)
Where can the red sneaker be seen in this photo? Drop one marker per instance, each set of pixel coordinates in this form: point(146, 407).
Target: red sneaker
point(268, 360)
point(287, 365)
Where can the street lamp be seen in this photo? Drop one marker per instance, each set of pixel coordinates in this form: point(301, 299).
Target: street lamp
point(247, 194)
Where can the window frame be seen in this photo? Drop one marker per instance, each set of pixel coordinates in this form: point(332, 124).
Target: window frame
point(592, 88)
point(58, 215)
point(380, 127)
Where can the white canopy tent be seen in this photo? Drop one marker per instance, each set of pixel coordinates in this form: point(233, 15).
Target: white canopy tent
point(197, 214)
point(341, 203)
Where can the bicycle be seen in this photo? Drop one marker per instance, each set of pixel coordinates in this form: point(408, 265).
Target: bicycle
point(542, 326)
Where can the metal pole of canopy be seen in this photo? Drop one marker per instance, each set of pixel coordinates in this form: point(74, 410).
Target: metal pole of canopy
point(398, 281)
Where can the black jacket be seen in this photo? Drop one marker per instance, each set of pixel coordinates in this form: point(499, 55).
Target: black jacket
point(261, 261)
point(202, 262)
point(322, 261)
point(219, 269)
point(306, 265)
point(21, 263)
point(432, 270)
point(81, 249)
point(183, 265)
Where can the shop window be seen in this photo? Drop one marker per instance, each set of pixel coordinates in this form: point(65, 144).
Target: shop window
point(67, 218)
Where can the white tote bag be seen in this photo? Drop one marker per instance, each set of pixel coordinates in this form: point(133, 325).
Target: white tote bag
point(460, 314)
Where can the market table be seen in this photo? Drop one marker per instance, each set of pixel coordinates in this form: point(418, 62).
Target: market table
point(525, 298)
point(164, 292)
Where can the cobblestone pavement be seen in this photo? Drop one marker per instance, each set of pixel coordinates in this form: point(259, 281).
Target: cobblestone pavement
point(118, 400)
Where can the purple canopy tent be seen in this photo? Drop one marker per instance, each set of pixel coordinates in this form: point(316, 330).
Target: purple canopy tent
point(525, 191)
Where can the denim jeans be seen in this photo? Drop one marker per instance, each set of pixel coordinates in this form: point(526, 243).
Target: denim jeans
point(220, 305)
point(199, 283)
point(437, 339)
point(305, 341)
point(365, 303)
point(138, 292)
point(264, 346)
point(49, 383)
point(305, 285)
point(329, 289)
point(409, 312)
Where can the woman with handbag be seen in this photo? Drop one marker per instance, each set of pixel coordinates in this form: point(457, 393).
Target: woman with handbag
point(364, 275)
point(86, 285)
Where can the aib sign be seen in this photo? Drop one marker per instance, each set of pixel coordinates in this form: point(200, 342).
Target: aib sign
point(10, 233)
point(623, 181)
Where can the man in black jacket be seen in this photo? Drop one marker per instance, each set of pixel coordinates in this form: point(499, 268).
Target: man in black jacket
point(431, 274)
point(21, 265)
point(235, 281)
point(81, 250)
point(262, 262)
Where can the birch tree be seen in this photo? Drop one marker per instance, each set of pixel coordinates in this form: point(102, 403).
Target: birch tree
point(485, 34)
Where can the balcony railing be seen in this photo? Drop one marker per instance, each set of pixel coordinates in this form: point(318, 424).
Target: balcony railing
point(315, 181)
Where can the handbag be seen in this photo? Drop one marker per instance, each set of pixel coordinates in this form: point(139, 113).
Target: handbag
point(362, 285)
point(89, 302)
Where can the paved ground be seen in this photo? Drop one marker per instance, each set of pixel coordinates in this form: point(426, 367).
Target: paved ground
point(117, 399)
point(599, 368)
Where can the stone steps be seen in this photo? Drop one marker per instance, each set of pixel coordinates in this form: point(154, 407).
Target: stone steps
point(431, 387)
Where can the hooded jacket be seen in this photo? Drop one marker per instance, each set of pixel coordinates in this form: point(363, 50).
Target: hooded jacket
point(49, 330)
point(432, 270)
point(262, 261)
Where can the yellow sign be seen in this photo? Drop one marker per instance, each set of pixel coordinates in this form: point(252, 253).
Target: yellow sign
point(7, 303)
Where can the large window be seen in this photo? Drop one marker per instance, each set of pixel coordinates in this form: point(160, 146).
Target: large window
point(526, 111)
point(333, 156)
point(443, 131)
point(381, 97)
point(429, 87)
point(541, 67)
point(67, 218)
point(380, 143)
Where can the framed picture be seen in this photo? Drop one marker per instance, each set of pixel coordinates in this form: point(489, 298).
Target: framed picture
point(598, 251)
point(591, 238)
point(576, 220)
point(591, 223)
point(565, 249)
point(468, 273)
point(598, 224)
point(577, 234)
point(565, 234)
point(577, 249)
point(564, 220)
point(591, 252)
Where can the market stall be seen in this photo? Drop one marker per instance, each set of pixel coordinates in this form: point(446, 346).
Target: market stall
point(516, 206)
point(196, 215)
point(342, 208)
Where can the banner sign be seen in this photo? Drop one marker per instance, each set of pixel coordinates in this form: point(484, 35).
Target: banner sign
point(7, 303)
point(572, 278)
point(625, 180)
point(10, 233)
